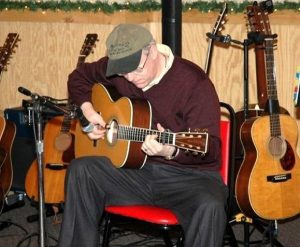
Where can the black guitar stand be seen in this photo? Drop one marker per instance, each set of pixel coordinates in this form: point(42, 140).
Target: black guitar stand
point(38, 104)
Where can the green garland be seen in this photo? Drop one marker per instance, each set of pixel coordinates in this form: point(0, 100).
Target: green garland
point(145, 5)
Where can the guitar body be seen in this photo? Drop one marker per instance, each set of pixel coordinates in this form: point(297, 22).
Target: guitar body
point(7, 136)
point(122, 153)
point(240, 119)
point(59, 141)
point(267, 184)
point(59, 151)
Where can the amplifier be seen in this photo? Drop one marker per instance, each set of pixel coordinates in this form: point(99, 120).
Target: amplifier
point(22, 119)
point(23, 148)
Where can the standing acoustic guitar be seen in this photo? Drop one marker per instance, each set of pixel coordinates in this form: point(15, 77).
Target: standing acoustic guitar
point(7, 128)
point(7, 49)
point(59, 147)
point(7, 136)
point(217, 28)
point(268, 182)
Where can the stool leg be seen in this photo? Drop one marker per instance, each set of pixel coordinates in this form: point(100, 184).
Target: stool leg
point(107, 231)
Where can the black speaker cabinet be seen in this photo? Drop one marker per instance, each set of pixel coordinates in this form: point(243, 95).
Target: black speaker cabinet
point(23, 148)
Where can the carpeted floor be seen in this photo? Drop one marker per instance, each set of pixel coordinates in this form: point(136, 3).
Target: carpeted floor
point(23, 222)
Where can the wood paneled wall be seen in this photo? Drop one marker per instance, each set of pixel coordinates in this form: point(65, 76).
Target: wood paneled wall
point(51, 42)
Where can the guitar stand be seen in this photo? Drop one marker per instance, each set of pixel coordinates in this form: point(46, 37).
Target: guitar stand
point(49, 212)
point(268, 229)
point(39, 145)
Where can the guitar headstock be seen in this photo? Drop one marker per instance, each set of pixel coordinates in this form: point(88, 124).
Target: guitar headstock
point(7, 49)
point(89, 44)
point(196, 142)
point(258, 17)
point(220, 20)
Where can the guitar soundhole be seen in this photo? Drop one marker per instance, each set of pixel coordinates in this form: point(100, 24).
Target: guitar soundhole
point(277, 146)
point(63, 141)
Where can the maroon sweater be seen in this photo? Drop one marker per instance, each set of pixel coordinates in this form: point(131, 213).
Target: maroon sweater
point(184, 99)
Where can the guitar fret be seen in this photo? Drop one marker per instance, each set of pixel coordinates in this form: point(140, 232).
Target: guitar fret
point(66, 123)
point(275, 125)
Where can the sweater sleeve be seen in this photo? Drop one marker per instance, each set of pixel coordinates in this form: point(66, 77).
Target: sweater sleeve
point(202, 112)
point(82, 79)
point(193, 106)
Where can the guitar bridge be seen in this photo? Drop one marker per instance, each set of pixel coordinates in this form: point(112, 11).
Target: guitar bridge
point(279, 178)
point(56, 166)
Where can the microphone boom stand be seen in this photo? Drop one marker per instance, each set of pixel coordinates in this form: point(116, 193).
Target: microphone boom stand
point(38, 103)
point(39, 145)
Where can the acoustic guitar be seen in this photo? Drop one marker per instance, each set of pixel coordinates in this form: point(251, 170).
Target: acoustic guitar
point(268, 182)
point(7, 136)
point(217, 28)
point(7, 49)
point(129, 122)
point(256, 34)
point(59, 147)
point(7, 128)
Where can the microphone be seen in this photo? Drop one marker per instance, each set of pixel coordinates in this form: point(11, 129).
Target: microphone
point(43, 100)
point(86, 126)
point(28, 93)
point(219, 38)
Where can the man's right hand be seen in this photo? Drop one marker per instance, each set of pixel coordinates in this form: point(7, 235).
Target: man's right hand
point(96, 119)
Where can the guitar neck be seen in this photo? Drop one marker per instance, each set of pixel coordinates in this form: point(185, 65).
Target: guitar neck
point(139, 134)
point(208, 56)
point(66, 123)
point(275, 127)
point(216, 29)
point(270, 65)
point(191, 141)
point(81, 60)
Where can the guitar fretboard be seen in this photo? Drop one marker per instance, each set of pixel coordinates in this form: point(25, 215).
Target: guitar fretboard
point(67, 121)
point(139, 134)
point(275, 127)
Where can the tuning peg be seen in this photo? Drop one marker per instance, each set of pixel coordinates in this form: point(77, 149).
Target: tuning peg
point(195, 153)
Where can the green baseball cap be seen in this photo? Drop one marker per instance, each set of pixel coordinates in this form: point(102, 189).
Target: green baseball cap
point(124, 48)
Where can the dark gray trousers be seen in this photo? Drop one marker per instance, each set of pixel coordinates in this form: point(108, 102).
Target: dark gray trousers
point(198, 198)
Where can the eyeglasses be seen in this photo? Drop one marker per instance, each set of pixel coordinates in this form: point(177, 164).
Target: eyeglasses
point(140, 68)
